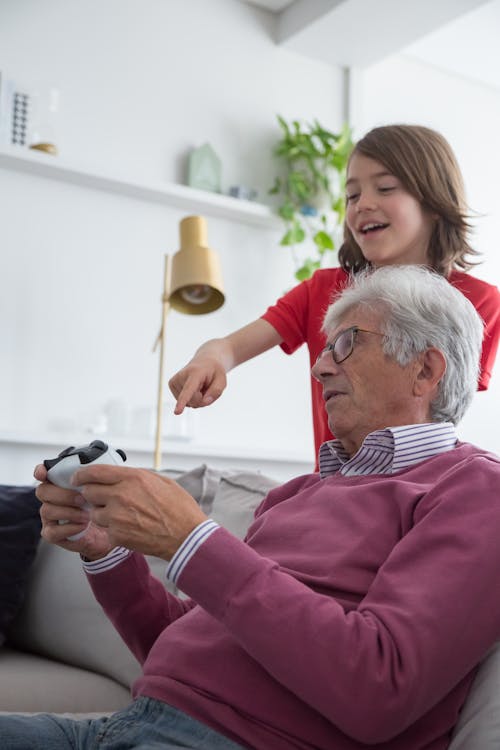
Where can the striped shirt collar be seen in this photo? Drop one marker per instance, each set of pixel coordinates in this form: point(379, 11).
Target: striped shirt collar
point(389, 450)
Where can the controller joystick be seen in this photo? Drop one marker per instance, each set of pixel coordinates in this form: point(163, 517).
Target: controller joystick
point(61, 469)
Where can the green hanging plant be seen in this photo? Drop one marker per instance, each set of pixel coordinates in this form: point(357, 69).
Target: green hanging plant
point(312, 189)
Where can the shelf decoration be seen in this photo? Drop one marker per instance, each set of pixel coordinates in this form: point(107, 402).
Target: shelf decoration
point(242, 192)
point(205, 169)
point(15, 112)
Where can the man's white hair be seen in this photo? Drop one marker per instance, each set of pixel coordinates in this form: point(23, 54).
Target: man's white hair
point(419, 309)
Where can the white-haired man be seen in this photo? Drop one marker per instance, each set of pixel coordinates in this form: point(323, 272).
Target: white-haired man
point(363, 597)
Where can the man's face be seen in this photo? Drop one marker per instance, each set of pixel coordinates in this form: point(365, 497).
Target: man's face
point(367, 391)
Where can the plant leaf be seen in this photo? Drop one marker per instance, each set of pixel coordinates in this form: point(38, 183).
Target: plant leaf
point(299, 186)
point(323, 241)
point(276, 188)
point(287, 211)
point(314, 161)
point(294, 236)
point(307, 269)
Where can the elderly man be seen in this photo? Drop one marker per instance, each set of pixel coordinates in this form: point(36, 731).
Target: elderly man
point(363, 598)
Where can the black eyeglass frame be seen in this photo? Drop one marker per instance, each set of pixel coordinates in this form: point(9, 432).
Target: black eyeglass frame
point(353, 330)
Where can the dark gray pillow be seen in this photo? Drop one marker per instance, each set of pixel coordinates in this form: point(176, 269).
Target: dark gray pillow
point(19, 536)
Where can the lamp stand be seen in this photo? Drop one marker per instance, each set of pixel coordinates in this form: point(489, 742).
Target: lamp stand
point(161, 341)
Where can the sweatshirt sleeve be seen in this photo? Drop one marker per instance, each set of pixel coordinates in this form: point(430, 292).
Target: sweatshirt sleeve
point(430, 615)
point(137, 603)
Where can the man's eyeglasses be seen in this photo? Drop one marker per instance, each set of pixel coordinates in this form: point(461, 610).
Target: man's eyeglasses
point(342, 345)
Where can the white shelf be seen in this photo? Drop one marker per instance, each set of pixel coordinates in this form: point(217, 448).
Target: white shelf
point(44, 165)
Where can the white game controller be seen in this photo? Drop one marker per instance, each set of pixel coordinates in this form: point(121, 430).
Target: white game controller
point(61, 469)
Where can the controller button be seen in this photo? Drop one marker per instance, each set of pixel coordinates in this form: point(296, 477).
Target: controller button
point(89, 454)
point(99, 444)
point(67, 452)
point(50, 462)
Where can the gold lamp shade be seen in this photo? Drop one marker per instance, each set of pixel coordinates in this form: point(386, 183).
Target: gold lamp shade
point(196, 280)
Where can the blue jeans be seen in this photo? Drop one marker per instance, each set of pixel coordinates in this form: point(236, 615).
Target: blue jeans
point(146, 724)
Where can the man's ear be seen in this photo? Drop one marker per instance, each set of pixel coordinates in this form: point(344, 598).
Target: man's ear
point(431, 368)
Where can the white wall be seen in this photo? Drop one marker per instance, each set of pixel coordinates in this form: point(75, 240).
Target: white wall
point(142, 82)
point(467, 113)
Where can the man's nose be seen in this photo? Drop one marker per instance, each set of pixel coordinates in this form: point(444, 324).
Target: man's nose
point(325, 365)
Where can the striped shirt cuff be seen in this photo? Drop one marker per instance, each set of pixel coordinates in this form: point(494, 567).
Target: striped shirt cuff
point(112, 559)
point(189, 547)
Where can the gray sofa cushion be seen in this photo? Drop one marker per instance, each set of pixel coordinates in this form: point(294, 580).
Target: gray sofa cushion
point(237, 497)
point(32, 683)
point(478, 727)
point(62, 621)
point(19, 537)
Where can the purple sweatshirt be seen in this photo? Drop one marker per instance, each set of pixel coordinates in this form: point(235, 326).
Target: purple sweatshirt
point(354, 613)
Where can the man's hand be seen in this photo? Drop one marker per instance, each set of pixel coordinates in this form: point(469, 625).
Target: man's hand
point(64, 505)
point(136, 509)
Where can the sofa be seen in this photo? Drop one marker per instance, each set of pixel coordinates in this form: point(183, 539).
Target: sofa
point(60, 654)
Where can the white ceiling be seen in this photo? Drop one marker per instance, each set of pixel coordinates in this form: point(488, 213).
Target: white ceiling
point(469, 46)
point(462, 36)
